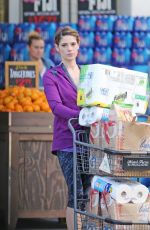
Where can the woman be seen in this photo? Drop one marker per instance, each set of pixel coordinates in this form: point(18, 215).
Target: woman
point(60, 86)
point(36, 47)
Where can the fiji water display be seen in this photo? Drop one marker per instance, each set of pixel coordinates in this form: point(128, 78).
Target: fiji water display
point(54, 56)
point(102, 55)
point(7, 32)
point(141, 40)
point(19, 52)
point(4, 52)
point(71, 24)
point(85, 56)
point(124, 23)
point(86, 22)
point(121, 57)
point(47, 50)
point(22, 31)
point(140, 56)
point(1, 76)
point(105, 23)
point(103, 39)
point(87, 39)
point(122, 40)
point(47, 30)
point(142, 24)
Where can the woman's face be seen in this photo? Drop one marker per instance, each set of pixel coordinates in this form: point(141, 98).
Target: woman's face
point(36, 49)
point(68, 48)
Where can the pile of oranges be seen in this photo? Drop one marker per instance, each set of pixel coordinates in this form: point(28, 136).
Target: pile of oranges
point(22, 99)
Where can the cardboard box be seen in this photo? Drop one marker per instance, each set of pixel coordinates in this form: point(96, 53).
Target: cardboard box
point(120, 135)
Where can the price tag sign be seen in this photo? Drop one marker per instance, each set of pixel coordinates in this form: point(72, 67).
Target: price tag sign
point(21, 74)
point(136, 163)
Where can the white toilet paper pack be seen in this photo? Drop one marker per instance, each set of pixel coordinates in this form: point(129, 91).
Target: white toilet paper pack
point(90, 115)
point(103, 84)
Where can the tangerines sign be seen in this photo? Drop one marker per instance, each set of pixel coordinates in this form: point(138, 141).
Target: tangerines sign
point(21, 74)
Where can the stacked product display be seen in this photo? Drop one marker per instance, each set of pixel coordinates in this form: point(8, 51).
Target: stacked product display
point(113, 40)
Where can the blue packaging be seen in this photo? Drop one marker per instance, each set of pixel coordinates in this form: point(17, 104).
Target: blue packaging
point(71, 24)
point(100, 185)
point(47, 30)
point(102, 55)
point(124, 23)
point(47, 50)
point(140, 56)
point(4, 52)
point(19, 52)
point(142, 24)
point(122, 40)
point(54, 56)
point(2, 76)
point(105, 23)
point(87, 39)
point(141, 40)
point(103, 39)
point(121, 57)
point(22, 31)
point(7, 32)
point(85, 56)
point(86, 23)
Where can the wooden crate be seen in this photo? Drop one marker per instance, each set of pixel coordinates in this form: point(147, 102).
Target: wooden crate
point(32, 184)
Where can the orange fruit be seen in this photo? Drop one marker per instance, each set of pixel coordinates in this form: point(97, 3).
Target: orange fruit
point(34, 96)
point(45, 107)
point(25, 101)
point(28, 108)
point(7, 99)
point(27, 92)
point(36, 108)
point(10, 106)
point(18, 108)
point(2, 108)
point(38, 101)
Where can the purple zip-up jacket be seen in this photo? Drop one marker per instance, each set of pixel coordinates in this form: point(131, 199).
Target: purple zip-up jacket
point(61, 94)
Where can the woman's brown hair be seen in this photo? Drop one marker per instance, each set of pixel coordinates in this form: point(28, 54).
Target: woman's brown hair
point(63, 31)
point(34, 36)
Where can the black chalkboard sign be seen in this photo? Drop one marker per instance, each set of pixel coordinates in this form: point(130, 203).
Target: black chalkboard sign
point(21, 74)
point(136, 163)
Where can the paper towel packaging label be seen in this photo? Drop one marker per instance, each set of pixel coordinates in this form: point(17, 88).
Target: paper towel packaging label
point(103, 84)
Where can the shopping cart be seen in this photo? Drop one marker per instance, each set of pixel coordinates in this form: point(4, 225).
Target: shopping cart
point(94, 160)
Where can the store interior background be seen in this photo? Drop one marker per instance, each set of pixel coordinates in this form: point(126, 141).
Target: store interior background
point(92, 50)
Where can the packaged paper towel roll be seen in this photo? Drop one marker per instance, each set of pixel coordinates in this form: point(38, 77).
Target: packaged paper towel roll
point(83, 116)
point(139, 192)
point(119, 191)
point(97, 113)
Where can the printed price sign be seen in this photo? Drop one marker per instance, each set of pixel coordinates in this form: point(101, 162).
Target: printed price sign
point(21, 74)
point(136, 163)
point(41, 11)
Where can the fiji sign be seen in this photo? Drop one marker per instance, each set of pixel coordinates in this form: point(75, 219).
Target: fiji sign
point(41, 10)
point(96, 7)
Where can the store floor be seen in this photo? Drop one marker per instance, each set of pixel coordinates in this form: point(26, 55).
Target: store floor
point(41, 224)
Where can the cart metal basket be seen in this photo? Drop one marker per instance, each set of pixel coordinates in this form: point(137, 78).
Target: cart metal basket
point(91, 160)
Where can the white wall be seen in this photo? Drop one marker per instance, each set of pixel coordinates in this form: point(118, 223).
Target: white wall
point(133, 7)
point(14, 11)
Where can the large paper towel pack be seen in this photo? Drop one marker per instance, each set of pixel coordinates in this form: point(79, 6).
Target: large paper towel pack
point(125, 212)
point(103, 84)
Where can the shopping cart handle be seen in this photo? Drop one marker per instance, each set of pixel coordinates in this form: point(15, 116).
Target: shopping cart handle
point(71, 122)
